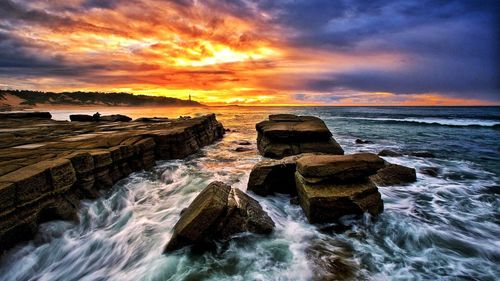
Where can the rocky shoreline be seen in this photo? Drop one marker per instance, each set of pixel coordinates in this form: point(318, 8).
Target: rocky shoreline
point(48, 166)
point(306, 163)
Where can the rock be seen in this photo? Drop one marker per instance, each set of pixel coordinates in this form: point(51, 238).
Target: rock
point(360, 141)
point(285, 135)
point(389, 153)
point(393, 174)
point(331, 186)
point(422, 154)
point(430, 171)
point(242, 149)
point(339, 168)
point(244, 143)
point(274, 176)
point(152, 120)
point(217, 213)
point(115, 118)
point(80, 118)
point(331, 260)
point(104, 118)
point(326, 202)
point(24, 115)
point(47, 166)
point(294, 200)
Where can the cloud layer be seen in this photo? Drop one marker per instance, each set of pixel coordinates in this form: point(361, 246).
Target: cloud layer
point(243, 51)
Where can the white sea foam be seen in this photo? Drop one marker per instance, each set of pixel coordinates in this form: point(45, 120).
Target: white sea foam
point(435, 121)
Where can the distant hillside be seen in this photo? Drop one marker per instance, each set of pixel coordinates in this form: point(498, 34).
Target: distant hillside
point(18, 99)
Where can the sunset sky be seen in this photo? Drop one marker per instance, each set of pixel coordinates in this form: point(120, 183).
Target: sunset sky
point(258, 52)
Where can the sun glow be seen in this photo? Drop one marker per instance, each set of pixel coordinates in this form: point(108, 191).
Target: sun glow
point(220, 54)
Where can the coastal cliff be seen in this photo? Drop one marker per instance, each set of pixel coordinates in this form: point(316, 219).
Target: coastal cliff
point(47, 166)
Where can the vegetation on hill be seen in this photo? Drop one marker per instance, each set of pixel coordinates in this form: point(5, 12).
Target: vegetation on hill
point(32, 98)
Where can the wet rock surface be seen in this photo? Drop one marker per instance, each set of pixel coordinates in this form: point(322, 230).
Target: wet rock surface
point(286, 134)
point(217, 213)
point(389, 153)
point(274, 176)
point(26, 115)
point(47, 166)
point(393, 174)
point(360, 141)
point(430, 171)
point(331, 186)
point(103, 118)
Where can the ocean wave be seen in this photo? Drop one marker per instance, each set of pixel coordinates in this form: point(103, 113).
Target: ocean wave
point(459, 122)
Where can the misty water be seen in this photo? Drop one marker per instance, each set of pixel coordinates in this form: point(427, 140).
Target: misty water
point(445, 227)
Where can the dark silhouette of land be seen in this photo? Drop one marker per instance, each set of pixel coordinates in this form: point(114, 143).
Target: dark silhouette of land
point(33, 98)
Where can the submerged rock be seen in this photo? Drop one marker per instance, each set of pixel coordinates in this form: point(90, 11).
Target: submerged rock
point(242, 149)
point(389, 153)
point(422, 154)
point(217, 213)
point(286, 134)
point(430, 171)
point(331, 186)
point(393, 174)
point(360, 141)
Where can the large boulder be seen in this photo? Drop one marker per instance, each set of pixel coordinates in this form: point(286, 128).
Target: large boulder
point(286, 134)
point(393, 174)
point(217, 213)
point(331, 186)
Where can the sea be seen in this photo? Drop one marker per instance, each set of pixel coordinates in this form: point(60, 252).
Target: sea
point(444, 227)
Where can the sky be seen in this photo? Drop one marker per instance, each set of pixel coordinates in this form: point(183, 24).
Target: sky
point(257, 52)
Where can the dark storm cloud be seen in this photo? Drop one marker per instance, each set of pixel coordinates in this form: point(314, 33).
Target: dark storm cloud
point(449, 46)
point(103, 4)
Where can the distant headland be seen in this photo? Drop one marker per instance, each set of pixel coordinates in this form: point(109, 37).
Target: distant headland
point(23, 99)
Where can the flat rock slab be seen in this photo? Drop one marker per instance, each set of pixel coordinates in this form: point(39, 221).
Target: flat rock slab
point(286, 134)
point(217, 213)
point(44, 164)
point(339, 167)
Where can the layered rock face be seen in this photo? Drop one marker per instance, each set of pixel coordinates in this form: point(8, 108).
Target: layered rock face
point(286, 134)
point(217, 213)
point(47, 166)
point(331, 186)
